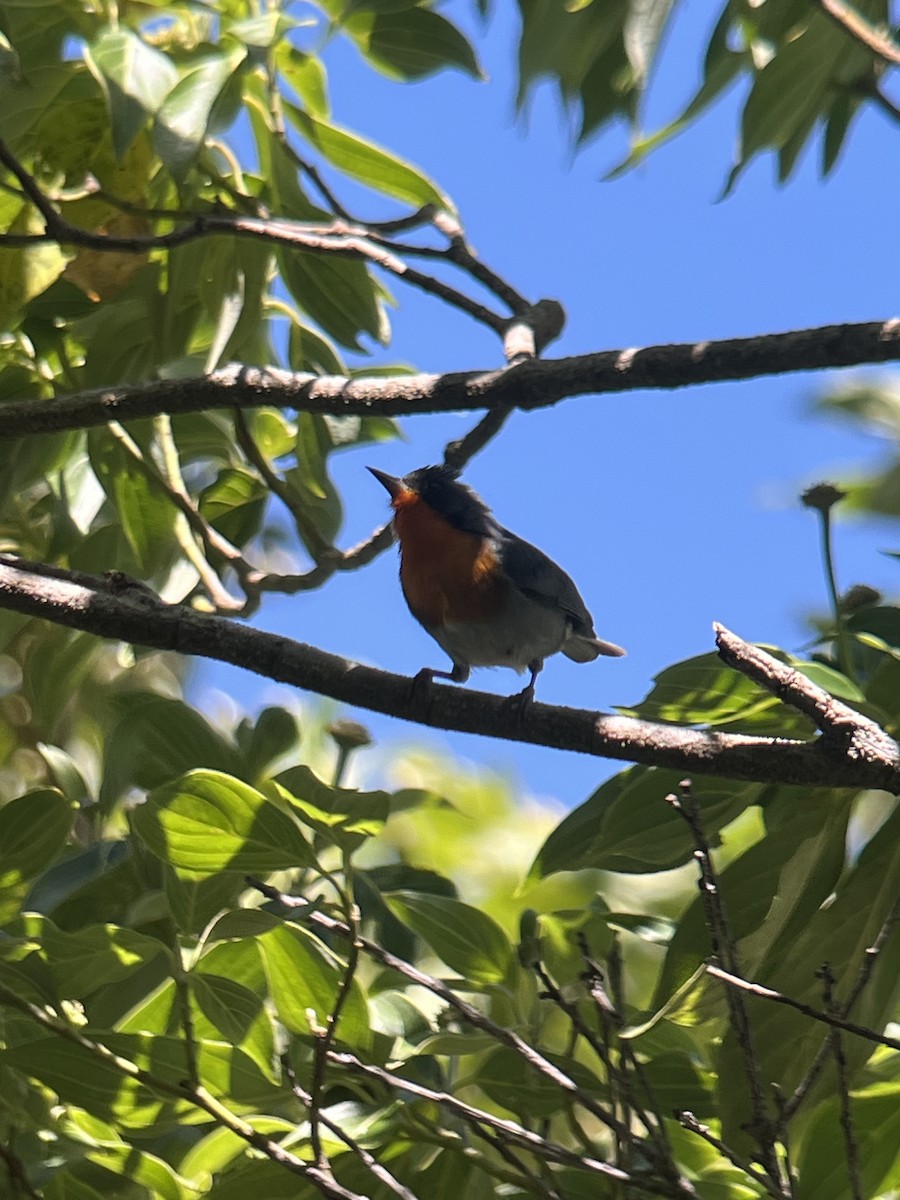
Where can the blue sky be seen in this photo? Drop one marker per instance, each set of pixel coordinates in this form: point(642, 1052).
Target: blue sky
point(670, 509)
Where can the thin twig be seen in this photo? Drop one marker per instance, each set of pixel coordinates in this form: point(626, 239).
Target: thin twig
point(318, 546)
point(211, 538)
point(198, 1096)
point(851, 1148)
point(183, 991)
point(619, 1078)
point(426, 1130)
point(724, 950)
point(337, 237)
point(874, 38)
point(767, 993)
point(514, 1133)
point(864, 974)
point(609, 1012)
point(375, 1168)
point(508, 1037)
point(324, 1042)
point(690, 1122)
point(19, 1183)
point(838, 722)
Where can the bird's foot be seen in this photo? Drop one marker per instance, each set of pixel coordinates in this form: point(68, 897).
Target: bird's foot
point(420, 691)
point(522, 701)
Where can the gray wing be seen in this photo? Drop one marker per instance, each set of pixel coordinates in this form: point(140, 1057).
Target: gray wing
point(540, 579)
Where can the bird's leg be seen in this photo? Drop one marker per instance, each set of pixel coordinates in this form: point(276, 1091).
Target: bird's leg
point(421, 684)
point(523, 699)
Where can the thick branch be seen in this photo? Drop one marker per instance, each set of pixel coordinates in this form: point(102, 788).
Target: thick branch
point(134, 615)
point(856, 735)
point(535, 383)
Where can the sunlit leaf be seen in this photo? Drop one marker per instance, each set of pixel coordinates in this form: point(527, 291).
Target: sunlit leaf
point(466, 939)
point(206, 822)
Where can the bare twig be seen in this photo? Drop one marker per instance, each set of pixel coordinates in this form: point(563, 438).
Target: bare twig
point(507, 1037)
point(196, 1095)
point(427, 1130)
point(144, 620)
point(514, 1134)
point(309, 534)
point(533, 384)
point(873, 37)
point(183, 992)
point(863, 976)
point(761, 1126)
point(656, 1146)
point(16, 1173)
point(325, 1038)
point(609, 1012)
point(690, 1122)
point(375, 1168)
point(211, 538)
point(851, 1148)
point(337, 237)
point(767, 993)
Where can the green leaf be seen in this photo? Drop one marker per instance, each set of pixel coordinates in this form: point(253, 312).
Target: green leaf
point(274, 734)
point(136, 79)
point(306, 75)
point(157, 739)
point(207, 822)
point(466, 939)
point(90, 958)
point(343, 815)
point(770, 891)
point(677, 1085)
point(123, 1160)
point(234, 504)
point(363, 160)
point(26, 273)
point(840, 931)
point(412, 43)
point(262, 31)
point(212, 1154)
point(146, 514)
point(195, 899)
point(182, 119)
point(230, 1011)
point(33, 831)
point(832, 681)
point(704, 691)
point(627, 825)
point(516, 1086)
point(81, 1077)
point(822, 1160)
point(339, 294)
point(304, 979)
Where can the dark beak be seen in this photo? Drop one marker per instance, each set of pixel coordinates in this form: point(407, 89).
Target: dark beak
point(394, 485)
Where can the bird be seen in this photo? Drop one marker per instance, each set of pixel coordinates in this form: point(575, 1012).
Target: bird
point(488, 598)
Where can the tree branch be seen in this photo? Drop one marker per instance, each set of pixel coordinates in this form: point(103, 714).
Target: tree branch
point(767, 993)
point(532, 384)
point(117, 608)
point(853, 23)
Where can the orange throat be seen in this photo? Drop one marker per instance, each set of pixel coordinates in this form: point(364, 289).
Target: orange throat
point(447, 574)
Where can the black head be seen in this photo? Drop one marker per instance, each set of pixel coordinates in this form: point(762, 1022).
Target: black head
point(440, 489)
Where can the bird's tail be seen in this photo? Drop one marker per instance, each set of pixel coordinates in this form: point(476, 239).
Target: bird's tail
point(585, 649)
